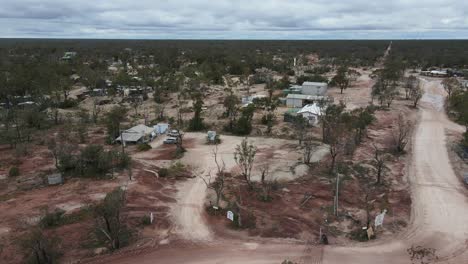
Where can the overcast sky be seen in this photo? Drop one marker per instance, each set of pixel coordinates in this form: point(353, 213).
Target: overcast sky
point(234, 19)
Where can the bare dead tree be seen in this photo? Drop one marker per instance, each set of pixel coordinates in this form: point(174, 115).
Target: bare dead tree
point(220, 166)
point(411, 82)
point(379, 161)
point(219, 183)
point(40, 248)
point(244, 157)
point(367, 188)
point(451, 85)
point(135, 103)
point(266, 182)
point(367, 202)
point(337, 147)
point(159, 111)
point(416, 94)
point(96, 111)
point(401, 133)
point(180, 150)
point(308, 150)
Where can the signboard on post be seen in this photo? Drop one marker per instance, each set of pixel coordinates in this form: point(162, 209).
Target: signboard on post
point(380, 218)
point(230, 215)
point(370, 233)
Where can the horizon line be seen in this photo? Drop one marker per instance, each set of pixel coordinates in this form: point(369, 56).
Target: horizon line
point(234, 39)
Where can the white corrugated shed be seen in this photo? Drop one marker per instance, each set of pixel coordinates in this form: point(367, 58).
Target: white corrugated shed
point(311, 112)
point(136, 134)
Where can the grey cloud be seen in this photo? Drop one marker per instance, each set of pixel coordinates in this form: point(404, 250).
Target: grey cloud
point(233, 19)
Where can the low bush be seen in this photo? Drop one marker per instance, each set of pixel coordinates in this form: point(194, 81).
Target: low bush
point(59, 218)
point(146, 220)
point(163, 172)
point(52, 219)
point(69, 103)
point(14, 172)
point(144, 147)
point(177, 169)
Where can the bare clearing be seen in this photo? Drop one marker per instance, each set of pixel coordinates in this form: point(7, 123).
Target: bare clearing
point(281, 155)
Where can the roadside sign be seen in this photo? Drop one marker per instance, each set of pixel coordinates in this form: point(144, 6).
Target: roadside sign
point(380, 218)
point(370, 233)
point(230, 215)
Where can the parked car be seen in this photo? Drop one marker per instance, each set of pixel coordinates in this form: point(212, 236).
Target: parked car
point(174, 133)
point(170, 140)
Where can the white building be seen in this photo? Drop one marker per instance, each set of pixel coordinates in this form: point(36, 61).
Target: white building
point(435, 73)
point(69, 55)
point(137, 134)
point(312, 113)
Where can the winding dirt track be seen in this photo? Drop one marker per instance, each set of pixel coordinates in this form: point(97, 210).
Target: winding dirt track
point(439, 214)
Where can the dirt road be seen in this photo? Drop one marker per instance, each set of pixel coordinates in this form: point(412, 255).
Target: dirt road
point(439, 209)
point(439, 214)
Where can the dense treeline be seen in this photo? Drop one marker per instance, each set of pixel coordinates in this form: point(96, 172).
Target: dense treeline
point(234, 57)
point(429, 53)
point(243, 56)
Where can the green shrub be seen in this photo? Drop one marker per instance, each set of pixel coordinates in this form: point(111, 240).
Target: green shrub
point(52, 219)
point(163, 172)
point(69, 103)
point(124, 160)
point(146, 220)
point(244, 123)
point(59, 218)
point(144, 147)
point(465, 140)
point(14, 172)
point(92, 161)
point(177, 169)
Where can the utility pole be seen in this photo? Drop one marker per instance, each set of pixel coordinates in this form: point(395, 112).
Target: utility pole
point(320, 235)
point(239, 219)
point(123, 141)
point(337, 194)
